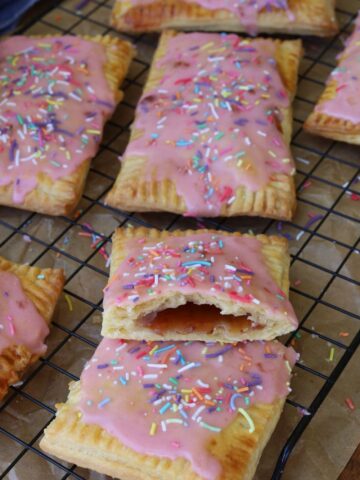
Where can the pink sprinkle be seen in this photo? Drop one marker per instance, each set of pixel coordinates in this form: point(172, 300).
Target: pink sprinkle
point(175, 444)
point(11, 326)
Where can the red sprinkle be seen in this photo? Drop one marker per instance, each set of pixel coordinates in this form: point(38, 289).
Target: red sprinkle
point(350, 403)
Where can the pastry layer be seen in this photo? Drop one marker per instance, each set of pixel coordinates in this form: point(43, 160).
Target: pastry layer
point(212, 130)
point(242, 276)
point(30, 295)
point(305, 17)
point(337, 114)
point(207, 415)
point(56, 94)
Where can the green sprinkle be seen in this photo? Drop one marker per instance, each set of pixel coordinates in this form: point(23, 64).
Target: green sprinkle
point(210, 427)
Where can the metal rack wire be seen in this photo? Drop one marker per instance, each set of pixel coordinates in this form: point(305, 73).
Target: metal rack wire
point(312, 170)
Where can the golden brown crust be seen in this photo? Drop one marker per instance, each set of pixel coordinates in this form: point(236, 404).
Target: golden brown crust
point(60, 197)
point(332, 127)
point(123, 322)
point(277, 199)
point(43, 287)
point(90, 446)
point(311, 17)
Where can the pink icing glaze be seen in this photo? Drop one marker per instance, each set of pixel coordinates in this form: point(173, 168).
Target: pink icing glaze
point(346, 103)
point(211, 124)
point(20, 322)
point(246, 10)
point(203, 262)
point(127, 387)
point(54, 101)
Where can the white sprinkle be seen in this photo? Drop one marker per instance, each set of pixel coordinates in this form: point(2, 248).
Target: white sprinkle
point(303, 160)
point(157, 365)
point(188, 367)
point(299, 235)
point(198, 411)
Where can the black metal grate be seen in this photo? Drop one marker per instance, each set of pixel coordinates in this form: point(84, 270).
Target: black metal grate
point(333, 224)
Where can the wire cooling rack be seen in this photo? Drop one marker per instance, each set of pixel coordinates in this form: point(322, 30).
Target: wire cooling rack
point(323, 241)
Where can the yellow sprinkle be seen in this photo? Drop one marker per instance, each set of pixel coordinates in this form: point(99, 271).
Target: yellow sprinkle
point(207, 45)
point(332, 352)
point(270, 152)
point(52, 102)
point(248, 418)
point(286, 160)
point(153, 428)
point(95, 132)
point(154, 349)
point(69, 302)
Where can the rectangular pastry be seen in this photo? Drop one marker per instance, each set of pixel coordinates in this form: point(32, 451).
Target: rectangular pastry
point(240, 281)
point(56, 93)
point(337, 114)
point(183, 410)
point(299, 17)
point(212, 130)
point(28, 296)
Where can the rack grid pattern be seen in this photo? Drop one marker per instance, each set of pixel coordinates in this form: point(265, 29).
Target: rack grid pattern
point(332, 202)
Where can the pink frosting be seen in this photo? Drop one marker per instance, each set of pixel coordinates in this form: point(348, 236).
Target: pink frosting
point(170, 398)
point(54, 101)
point(346, 103)
point(247, 11)
point(20, 322)
point(202, 262)
point(211, 125)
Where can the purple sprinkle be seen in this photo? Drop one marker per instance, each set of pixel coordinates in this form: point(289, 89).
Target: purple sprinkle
point(82, 4)
point(229, 386)
point(134, 349)
point(220, 352)
point(13, 147)
point(149, 385)
point(313, 220)
point(270, 355)
point(105, 104)
point(129, 286)
point(103, 365)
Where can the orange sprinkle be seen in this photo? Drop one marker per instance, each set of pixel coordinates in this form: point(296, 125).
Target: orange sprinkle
point(242, 389)
point(344, 334)
point(198, 394)
point(167, 355)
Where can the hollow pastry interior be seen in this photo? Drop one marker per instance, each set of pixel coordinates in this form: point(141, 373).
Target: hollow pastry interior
point(241, 280)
